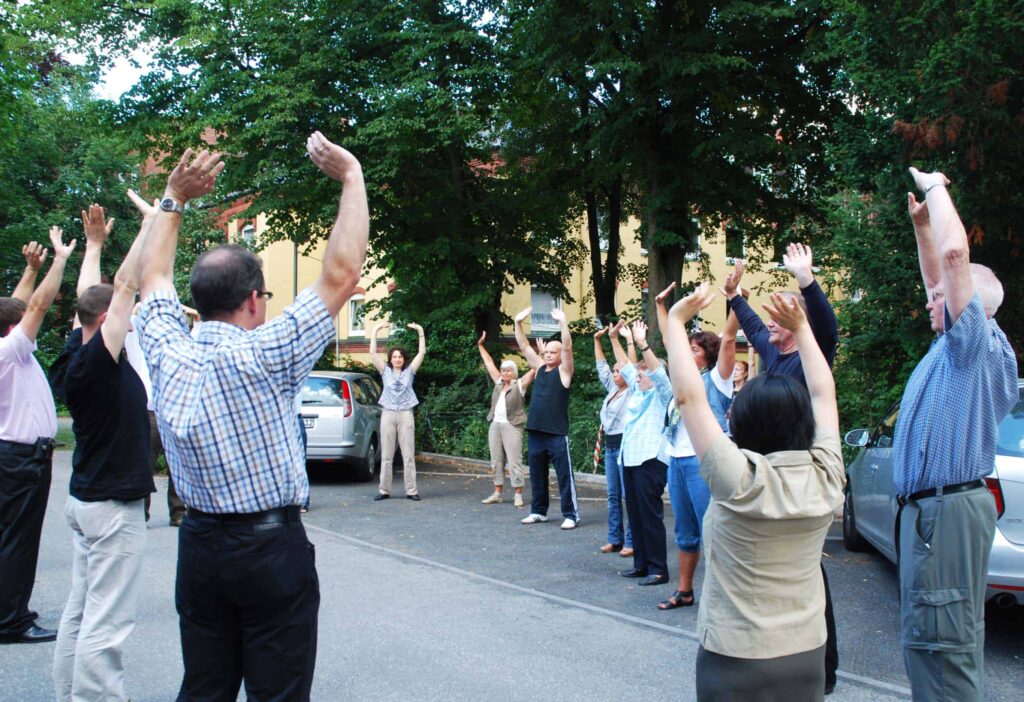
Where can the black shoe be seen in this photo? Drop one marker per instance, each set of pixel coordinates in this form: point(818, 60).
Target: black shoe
point(34, 634)
point(381, 496)
point(654, 580)
point(414, 498)
point(635, 573)
point(830, 687)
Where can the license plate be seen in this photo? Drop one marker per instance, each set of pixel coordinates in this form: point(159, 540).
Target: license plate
point(310, 422)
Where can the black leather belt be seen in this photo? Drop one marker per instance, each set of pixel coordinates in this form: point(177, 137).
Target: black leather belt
point(948, 490)
point(281, 515)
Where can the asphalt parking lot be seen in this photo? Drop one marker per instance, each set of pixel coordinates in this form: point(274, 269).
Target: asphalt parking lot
point(449, 599)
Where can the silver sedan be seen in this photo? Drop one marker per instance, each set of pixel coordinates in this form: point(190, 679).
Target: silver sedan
point(871, 508)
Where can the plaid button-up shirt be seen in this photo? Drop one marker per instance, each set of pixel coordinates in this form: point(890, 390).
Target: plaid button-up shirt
point(224, 402)
point(645, 417)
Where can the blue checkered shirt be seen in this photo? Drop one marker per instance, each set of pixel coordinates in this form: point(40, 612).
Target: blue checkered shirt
point(645, 417)
point(225, 402)
point(951, 408)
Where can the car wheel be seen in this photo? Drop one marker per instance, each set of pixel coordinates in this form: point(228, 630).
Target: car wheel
point(368, 466)
point(851, 537)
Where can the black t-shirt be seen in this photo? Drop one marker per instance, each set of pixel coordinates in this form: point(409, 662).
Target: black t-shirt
point(108, 407)
point(549, 407)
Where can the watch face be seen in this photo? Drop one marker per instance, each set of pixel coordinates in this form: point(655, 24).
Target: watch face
point(169, 205)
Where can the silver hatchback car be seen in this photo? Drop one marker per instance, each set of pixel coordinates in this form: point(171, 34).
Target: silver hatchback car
point(871, 509)
point(342, 420)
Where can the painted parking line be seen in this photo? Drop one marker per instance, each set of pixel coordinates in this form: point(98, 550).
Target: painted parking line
point(565, 601)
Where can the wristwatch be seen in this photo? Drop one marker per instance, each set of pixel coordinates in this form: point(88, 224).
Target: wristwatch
point(168, 204)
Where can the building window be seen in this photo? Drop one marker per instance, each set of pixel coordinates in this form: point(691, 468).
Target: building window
point(543, 302)
point(356, 316)
point(248, 233)
point(734, 244)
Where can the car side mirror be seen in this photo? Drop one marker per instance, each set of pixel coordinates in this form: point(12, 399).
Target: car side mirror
point(856, 438)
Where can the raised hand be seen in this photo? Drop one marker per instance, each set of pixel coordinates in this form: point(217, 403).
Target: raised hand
point(35, 255)
point(924, 181)
point(540, 345)
point(480, 341)
point(523, 315)
point(639, 332)
point(786, 311)
point(96, 230)
point(799, 262)
point(148, 211)
point(918, 211)
point(624, 331)
point(600, 332)
point(731, 287)
point(195, 179)
point(60, 250)
point(558, 315)
point(416, 327)
point(330, 158)
point(687, 308)
point(663, 295)
point(379, 327)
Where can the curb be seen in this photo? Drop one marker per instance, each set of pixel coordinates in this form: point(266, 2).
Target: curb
point(483, 468)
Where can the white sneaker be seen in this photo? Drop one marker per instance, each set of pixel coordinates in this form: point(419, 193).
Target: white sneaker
point(518, 502)
point(533, 518)
point(570, 523)
point(493, 499)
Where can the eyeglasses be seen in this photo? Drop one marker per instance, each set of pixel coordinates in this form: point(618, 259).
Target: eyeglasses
point(266, 293)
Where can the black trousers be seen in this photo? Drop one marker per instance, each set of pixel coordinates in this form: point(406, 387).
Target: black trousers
point(831, 644)
point(25, 472)
point(248, 597)
point(544, 449)
point(645, 485)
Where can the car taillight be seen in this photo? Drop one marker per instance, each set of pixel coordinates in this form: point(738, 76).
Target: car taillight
point(997, 492)
point(346, 398)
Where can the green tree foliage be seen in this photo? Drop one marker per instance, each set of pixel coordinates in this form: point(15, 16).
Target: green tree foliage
point(939, 86)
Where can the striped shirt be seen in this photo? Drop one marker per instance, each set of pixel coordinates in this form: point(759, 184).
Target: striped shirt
point(949, 416)
point(397, 393)
point(645, 418)
point(224, 402)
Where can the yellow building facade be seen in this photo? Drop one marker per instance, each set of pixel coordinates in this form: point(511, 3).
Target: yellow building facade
point(288, 269)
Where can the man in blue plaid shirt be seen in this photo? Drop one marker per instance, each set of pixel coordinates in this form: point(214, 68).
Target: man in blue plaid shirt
point(247, 591)
point(944, 445)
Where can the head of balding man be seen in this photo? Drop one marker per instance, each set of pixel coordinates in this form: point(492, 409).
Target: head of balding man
point(553, 354)
point(226, 281)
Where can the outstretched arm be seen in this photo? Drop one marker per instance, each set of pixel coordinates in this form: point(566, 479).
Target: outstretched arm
point(375, 358)
point(727, 350)
point(820, 315)
point(927, 257)
point(687, 385)
point(567, 368)
point(753, 328)
point(817, 374)
point(529, 354)
point(346, 247)
point(44, 295)
point(598, 347)
point(188, 180)
point(126, 283)
point(640, 334)
point(950, 241)
point(620, 355)
point(492, 370)
point(661, 308)
point(417, 360)
point(35, 255)
point(96, 233)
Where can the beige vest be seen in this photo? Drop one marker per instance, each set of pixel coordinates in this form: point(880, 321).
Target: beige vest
point(515, 405)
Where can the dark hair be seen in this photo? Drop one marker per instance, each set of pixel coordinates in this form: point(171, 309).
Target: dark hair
point(405, 356)
point(772, 413)
point(94, 302)
point(11, 311)
point(710, 343)
point(223, 278)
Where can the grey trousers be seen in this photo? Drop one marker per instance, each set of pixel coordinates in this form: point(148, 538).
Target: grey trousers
point(796, 678)
point(506, 442)
point(945, 542)
point(398, 426)
point(109, 541)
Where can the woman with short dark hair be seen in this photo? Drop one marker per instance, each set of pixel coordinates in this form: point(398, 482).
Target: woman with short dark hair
point(761, 622)
point(397, 423)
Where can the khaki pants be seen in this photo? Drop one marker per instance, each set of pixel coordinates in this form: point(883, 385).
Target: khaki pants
point(398, 425)
point(506, 442)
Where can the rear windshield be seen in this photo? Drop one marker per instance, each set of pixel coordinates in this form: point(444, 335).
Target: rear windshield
point(325, 392)
point(1011, 433)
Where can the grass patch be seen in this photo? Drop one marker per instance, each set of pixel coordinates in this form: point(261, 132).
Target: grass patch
point(67, 437)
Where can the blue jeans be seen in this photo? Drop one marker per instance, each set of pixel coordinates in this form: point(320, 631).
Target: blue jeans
point(690, 498)
point(616, 499)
